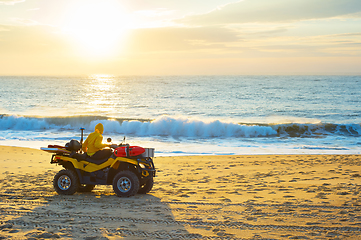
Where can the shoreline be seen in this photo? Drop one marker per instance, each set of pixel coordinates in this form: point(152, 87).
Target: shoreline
point(203, 196)
point(222, 152)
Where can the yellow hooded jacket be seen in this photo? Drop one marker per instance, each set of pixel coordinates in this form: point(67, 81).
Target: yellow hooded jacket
point(93, 143)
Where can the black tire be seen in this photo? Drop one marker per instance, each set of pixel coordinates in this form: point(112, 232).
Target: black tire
point(66, 182)
point(147, 186)
point(125, 184)
point(86, 188)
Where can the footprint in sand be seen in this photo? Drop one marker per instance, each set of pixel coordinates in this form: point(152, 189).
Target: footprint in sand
point(224, 199)
point(321, 195)
point(184, 196)
point(211, 192)
point(289, 196)
point(204, 181)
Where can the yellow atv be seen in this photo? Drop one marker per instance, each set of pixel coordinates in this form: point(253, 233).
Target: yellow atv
point(130, 169)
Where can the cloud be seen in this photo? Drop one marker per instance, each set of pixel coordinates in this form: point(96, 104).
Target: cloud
point(29, 39)
point(21, 21)
point(265, 11)
point(32, 9)
point(222, 42)
point(11, 2)
point(333, 45)
point(154, 12)
point(4, 28)
point(176, 39)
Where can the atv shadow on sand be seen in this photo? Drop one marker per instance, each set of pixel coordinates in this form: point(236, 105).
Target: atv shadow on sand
point(96, 215)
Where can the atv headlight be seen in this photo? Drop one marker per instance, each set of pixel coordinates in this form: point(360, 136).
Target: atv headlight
point(142, 165)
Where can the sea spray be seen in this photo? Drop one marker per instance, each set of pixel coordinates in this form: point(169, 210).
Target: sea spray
point(184, 127)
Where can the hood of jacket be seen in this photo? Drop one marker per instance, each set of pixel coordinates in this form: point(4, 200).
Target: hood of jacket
point(100, 128)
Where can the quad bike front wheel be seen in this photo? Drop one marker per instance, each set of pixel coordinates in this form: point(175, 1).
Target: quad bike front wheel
point(147, 186)
point(125, 184)
point(66, 182)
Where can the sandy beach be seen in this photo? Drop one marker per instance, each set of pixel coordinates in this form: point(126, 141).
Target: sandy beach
point(196, 197)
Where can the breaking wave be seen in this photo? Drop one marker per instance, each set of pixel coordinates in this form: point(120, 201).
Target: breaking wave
point(178, 127)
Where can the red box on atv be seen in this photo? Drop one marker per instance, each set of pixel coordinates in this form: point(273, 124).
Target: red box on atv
point(133, 151)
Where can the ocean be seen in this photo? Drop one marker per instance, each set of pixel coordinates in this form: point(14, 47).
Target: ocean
point(187, 115)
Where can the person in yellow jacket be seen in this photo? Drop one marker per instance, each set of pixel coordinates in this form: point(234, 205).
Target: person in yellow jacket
point(93, 145)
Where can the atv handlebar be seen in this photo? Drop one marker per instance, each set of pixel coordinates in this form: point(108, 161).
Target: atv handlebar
point(114, 146)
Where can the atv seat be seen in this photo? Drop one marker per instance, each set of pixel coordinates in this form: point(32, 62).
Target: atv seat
point(85, 157)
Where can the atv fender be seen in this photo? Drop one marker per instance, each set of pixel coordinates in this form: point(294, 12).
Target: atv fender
point(119, 160)
point(92, 167)
point(84, 165)
point(62, 160)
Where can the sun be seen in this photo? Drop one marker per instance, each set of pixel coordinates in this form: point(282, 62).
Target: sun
point(96, 26)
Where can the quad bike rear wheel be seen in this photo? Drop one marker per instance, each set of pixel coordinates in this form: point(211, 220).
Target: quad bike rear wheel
point(147, 186)
point(66, 182)
point(125, 183)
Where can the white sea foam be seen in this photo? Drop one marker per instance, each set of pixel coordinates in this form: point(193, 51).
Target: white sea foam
point(183, 127)
point(177, 127)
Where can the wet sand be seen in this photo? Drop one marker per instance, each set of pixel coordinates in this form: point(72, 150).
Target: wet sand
point(197, 197)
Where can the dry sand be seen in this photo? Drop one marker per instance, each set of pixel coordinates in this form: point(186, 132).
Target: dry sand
point(198, 197)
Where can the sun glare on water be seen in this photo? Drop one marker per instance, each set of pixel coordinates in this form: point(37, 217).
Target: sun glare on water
point(98, 94)
point(98, 27)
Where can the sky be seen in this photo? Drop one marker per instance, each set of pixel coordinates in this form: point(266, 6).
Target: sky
point(188, 37)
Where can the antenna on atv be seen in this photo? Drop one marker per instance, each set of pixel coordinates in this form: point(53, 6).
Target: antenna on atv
point(81, 138)
point(123, 142)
